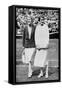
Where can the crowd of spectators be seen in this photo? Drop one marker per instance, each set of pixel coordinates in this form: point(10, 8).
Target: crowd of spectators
point(24, 14)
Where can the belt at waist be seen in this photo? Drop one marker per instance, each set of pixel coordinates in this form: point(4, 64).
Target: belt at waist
point(42, 48)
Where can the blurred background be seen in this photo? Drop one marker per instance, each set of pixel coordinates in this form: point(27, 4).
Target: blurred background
point(51, 16)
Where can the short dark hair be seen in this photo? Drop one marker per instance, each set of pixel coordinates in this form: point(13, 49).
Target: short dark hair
point(38, 18)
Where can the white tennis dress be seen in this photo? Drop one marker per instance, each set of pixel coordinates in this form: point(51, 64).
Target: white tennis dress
point(41, 41)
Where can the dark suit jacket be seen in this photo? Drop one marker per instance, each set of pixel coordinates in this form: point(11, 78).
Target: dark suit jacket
point(28, 43)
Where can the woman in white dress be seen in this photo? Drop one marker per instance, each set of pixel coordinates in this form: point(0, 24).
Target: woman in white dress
point(29, 45)
point(41, 42)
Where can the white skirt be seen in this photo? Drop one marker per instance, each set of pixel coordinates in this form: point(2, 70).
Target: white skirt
point(40, 58)
point(27, 55)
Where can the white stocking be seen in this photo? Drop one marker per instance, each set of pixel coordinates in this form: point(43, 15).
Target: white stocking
point(29, 70)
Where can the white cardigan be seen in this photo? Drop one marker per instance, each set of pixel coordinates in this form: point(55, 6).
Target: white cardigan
point(41, 41)
point(41, 36)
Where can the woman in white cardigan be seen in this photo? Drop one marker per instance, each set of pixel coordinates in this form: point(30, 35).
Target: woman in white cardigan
point(41, 42)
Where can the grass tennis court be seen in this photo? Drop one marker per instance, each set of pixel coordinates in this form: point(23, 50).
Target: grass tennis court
point(52, 56)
